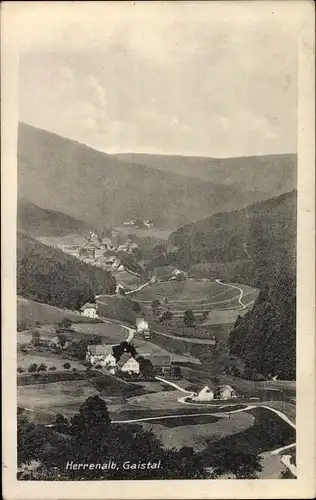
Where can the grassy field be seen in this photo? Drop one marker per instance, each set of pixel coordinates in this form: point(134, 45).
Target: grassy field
point(190, 289)
point(161, 234)
point(55, 397)
point(29, 312)
point(179, 433)
point(24, 360)
point(125, 278)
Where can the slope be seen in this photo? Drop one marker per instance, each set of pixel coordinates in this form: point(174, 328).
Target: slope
point(37, 221)
point(45, 274)
point(95, 187)
point(252, 245)
point(268, 175)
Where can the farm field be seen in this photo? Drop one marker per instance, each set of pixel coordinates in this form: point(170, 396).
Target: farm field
point(29, 312)
point(161, 234)
point(191, 289)
point(200, 296)
point(125, 278)
point(49, 359)
point(188, 432)
point(45, 400)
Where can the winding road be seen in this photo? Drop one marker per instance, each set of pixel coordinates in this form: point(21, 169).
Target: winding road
point(243, 306)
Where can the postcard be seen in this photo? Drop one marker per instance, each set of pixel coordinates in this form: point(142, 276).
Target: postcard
point(158, 212)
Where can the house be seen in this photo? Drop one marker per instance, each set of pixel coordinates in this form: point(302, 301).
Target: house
point(73, 250)
point(101, 354)
point(148, 223)
point(205, 394)
point(127, 363)
point(120, 289)
point(89, 310)
point(99, 251)
point(178, 275)
point(129, 223)
point(160, 362)
point(123, 248)
point(141, 325)
point(225, 392)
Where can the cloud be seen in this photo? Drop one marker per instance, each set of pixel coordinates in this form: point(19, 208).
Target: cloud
point(97, 91)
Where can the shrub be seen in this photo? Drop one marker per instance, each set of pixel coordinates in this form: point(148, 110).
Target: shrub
point(65, 323)
point(67, 366)
point(32, 368)
point(52, 368)
point(42, 368)
point(22, 325)
point(20, 369)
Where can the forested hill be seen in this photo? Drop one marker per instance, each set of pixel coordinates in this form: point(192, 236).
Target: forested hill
point(37, 221)
point(254, 245)
point(94, 187)
point(265, 338)
point(269, 174)
point(47, 275)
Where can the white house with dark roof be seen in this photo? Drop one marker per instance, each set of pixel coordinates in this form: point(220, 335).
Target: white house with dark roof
point(89, 310)
point(101, 354)
point(127, 363)
point(205, 394)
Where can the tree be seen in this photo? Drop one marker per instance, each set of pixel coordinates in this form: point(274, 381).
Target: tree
point(189, 318)
point(146, 367)
point(65, 323)
point(36, 338)
point(66, 366)
point(155, 307)
point(205, 315)
point(62, 424)
point(91, 425)
point(136, 307)
point(32, 368)
point(240, 462)
point(177, 371)
point(62, 339)
point(166, 316)
point(41, 368)
point(78, 349)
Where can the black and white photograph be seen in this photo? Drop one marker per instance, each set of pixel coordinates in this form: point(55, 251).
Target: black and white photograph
point(156, 242)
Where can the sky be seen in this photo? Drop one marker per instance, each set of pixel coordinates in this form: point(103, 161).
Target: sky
point(193, 78)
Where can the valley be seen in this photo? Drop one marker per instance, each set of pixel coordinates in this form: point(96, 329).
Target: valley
point(158, 294)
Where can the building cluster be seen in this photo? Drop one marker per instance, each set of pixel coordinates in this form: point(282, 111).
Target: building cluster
point(101, 253)
point(111, 358)
point(137, 223)
point(211, 392)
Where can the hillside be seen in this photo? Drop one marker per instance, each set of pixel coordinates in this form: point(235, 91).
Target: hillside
point(252, 246)
point(37, 221)
point(256, 246)
point(98, 188)
point(30, 312)
point(45, 274)
point(269, 175)
point(265, 338)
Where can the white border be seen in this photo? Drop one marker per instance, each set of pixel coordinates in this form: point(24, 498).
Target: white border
point(304, 486)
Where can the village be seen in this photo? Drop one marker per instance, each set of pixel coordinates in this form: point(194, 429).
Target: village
point(100, 252)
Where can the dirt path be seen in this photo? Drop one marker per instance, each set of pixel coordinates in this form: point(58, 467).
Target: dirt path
point(243, 306)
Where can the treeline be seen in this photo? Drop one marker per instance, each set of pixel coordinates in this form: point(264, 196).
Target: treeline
point(265, 338)
point(46, 274)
